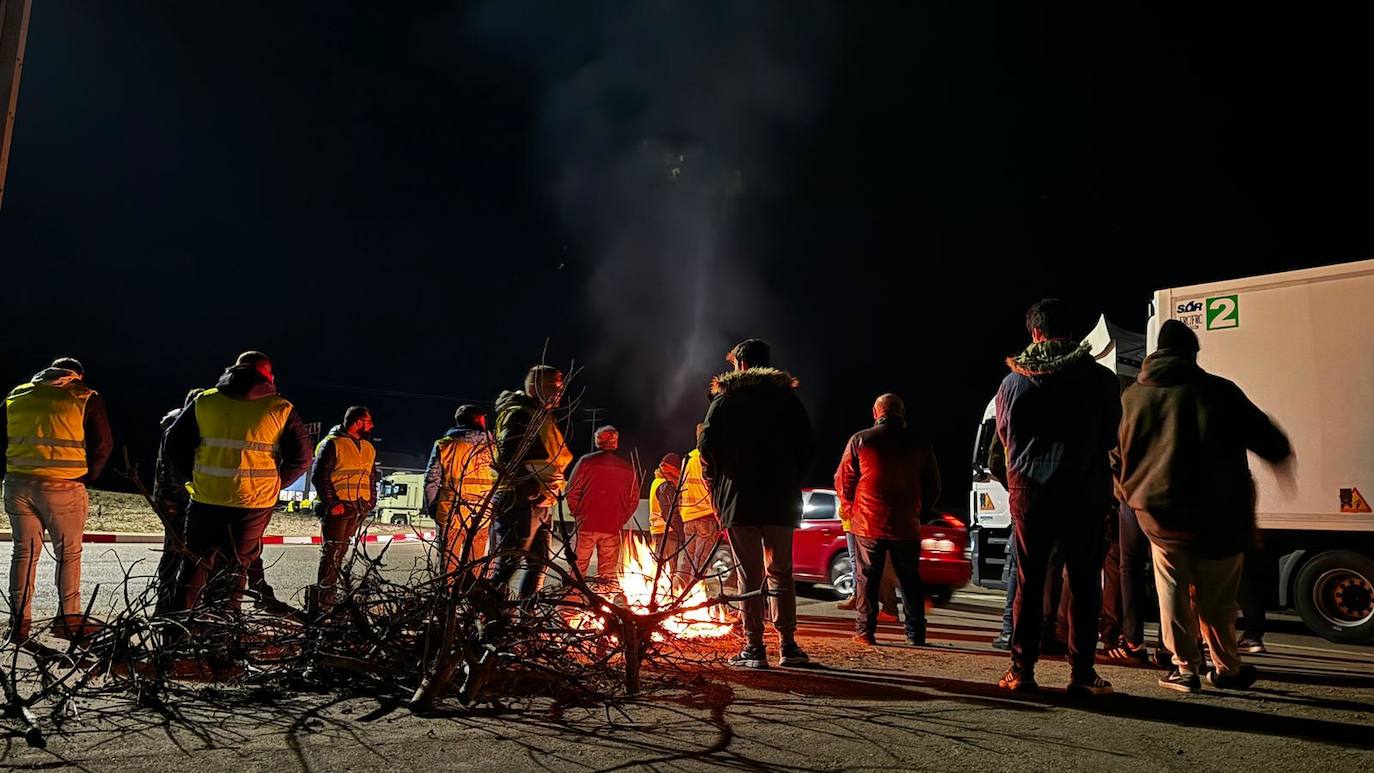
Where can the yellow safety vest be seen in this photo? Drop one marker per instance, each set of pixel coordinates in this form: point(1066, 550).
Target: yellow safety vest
point(557, 454)
point(353, 463)
point(47, 430)
point(657, 524)
point(236, 462)
point(696, 496)
point(465, 468)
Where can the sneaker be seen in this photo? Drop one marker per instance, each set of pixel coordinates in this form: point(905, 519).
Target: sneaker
point(887, 616)
point(866, 638)
point(754, 656)
point(916, 639)
point(1239, 680)
point(1125, 650)
point(792, 655)
point(1180, 682)
point(1002, 642)
point(1251, 644)
point(1018, 681)
point(1091, 685)
point(848, 604)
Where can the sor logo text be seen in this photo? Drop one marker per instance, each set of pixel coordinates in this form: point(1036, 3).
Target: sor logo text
point(1221, 312)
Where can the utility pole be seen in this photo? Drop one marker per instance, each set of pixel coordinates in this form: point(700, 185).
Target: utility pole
point(595, 412)
point(14, 31)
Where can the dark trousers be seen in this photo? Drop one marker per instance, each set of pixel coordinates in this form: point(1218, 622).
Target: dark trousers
point(1041, 525)
point(873, 555)
point(1134, 553)
point(521, 526)
point(337, 532)
point(1009, 580)
point(1109, 626)
point(765, 552)
point(226, 542)
point(169, 566)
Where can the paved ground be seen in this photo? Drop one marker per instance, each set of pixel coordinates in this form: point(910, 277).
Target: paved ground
point(889, 708)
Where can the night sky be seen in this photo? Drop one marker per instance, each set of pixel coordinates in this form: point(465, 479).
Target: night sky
point(401, 203)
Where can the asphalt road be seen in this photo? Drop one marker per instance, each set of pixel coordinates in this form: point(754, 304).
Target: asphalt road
point(887, 708)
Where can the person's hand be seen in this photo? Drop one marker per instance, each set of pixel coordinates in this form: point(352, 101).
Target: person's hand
point(337, 509)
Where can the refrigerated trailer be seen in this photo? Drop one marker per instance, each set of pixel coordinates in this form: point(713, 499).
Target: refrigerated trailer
point(1301, 346)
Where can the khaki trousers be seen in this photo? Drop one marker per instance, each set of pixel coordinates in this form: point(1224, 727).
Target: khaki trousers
point(58, 507)
point(1210, 610)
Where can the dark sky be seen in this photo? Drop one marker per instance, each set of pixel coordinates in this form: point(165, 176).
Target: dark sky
point(402, 205)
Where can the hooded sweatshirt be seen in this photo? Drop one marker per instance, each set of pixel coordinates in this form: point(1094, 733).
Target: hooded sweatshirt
point(755, 448)
point(241, 382)
point(95, 423)
point(1183, 440)
point(1057, 416)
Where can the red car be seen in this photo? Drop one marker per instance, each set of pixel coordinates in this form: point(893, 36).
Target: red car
point(820, 552)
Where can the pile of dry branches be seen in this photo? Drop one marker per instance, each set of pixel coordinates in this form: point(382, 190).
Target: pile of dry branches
point(443, 632)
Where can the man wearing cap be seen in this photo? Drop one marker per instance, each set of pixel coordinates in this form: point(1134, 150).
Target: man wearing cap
point(458, 482)
point(1184, 471)
point(755, 447)
point(57, 439)
point(602, 495)
point(238, 445)
point(346, 479)
point(529, 457)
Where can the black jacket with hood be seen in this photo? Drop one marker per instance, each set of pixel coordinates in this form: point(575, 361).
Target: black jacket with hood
point(240, 382)
point(1057, 416)
point(1183, 468)
point(755, 448)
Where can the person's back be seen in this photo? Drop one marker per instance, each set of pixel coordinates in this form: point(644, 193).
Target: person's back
point(1057, 414)
point(1184, 436)
point(898, 480)
point(755, 446)
point(602, 491)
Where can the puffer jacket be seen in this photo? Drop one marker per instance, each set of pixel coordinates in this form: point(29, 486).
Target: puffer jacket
point(755, 447)
point(536, 474)
point(603, 492)
point(1057, 416)
point(887, 480)
point(1183, 467)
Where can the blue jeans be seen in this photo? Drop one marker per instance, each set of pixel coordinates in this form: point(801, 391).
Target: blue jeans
point(1009, 580)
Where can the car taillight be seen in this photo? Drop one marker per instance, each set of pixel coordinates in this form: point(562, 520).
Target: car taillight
point(938, 545)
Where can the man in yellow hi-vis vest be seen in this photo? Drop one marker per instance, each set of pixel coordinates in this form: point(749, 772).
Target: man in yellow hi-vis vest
point(458, 481)
point(57, 439)
point(238, 445)
point(346, 478)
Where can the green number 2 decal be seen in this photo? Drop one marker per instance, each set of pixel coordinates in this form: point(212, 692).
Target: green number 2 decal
point(1223, 312)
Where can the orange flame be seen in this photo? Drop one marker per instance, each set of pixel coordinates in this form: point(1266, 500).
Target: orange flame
point(645, 594)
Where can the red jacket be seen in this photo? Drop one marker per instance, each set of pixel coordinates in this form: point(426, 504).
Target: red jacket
point(887, 479)
point(602, 492)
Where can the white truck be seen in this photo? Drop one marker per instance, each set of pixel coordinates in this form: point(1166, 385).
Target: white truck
point(1301, 346)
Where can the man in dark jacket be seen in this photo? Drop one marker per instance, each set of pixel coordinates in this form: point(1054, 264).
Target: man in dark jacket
point(602, 495)
point(887, 479)
point(346, 479)
point(238, 445)
point(530, 457)
point(755, 445)
point(1184, 470)
point(171, 497)
point(1057, 415)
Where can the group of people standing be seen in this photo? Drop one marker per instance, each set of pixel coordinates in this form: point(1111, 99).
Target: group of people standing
point(1171, 449)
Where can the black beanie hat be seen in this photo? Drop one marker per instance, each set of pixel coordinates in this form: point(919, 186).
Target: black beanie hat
point(1178, 338)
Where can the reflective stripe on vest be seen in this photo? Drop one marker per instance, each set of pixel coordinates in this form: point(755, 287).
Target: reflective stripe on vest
point(46, 424)
point(696, 496)
point(236, 462)
point(465, 470)
point(352, 474)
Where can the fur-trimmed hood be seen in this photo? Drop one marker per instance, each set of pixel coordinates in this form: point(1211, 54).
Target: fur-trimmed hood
point(1049, 357)
point(739, 379)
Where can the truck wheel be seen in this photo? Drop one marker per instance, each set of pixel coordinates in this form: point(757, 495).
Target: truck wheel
point(842, 575)
point(1334, 594)
point(399, 519)
point(940, 595)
